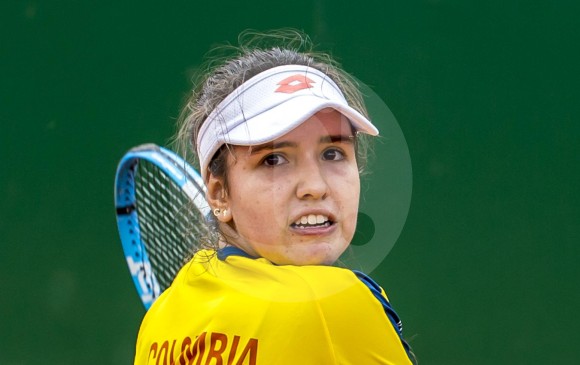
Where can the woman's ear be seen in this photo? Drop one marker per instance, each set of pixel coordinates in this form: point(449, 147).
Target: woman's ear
point(217, 197)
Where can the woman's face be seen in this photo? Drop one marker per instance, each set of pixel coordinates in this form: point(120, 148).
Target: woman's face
point(295, 200)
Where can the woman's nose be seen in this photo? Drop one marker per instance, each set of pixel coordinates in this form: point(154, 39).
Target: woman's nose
point(311, 182)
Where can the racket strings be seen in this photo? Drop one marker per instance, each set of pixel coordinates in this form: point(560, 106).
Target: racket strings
point(171, 227)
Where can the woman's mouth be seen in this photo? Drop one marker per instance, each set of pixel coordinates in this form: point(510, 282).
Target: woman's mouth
point(312, 221)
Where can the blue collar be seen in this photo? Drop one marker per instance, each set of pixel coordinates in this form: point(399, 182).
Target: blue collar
point(225, 252)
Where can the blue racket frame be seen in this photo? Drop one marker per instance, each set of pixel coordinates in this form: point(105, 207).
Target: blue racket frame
point(136, 255)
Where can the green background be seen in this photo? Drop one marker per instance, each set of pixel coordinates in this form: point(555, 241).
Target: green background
point(485, 270)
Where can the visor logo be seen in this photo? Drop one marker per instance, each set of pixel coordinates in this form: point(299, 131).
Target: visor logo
point(294, 83)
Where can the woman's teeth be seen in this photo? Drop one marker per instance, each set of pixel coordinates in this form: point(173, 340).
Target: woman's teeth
point(312, 219)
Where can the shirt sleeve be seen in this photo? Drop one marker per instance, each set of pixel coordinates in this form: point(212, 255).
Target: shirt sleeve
point(394, 319)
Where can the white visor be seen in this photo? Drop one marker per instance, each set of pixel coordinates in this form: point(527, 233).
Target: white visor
point(269, 105)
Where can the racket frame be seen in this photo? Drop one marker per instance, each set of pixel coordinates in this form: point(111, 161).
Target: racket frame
point(183, 175)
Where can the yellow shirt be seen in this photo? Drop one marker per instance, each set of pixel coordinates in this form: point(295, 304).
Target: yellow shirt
point(236, 310)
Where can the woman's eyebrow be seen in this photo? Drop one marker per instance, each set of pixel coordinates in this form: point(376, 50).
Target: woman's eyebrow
point(341, 138)
point(271, 146)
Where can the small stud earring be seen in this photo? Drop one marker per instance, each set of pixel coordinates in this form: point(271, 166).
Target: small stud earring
point(216, 212)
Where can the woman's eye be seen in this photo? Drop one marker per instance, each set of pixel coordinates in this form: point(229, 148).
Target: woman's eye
point(274, 160)
point(332, 154)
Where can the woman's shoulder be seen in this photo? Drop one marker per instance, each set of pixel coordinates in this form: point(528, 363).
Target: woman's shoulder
point(234, 269)
point(285, 282)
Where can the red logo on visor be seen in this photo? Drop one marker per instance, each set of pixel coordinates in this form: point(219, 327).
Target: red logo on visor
point(294, 83)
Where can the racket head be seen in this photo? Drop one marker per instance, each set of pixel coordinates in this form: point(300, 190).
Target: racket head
point(161, 216)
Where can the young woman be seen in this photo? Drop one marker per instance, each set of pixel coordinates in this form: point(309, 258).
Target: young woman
point(279, 134)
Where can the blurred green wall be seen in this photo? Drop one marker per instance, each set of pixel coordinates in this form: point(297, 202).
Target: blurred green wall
point(486, 93)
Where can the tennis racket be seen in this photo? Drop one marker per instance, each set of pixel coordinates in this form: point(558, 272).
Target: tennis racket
point(162, 215)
